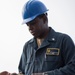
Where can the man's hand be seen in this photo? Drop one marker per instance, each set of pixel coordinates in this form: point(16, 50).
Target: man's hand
point(14, 74)
point(38, 74)
point(17, 74)
point(20, 74)
point(5, 73)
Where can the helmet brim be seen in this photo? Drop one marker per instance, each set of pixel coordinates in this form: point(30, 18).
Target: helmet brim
point(28, 20)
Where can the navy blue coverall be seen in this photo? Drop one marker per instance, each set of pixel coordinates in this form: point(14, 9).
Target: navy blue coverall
point(56, 55)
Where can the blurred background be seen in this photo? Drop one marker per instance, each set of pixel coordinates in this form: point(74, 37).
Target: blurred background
point(13, 35)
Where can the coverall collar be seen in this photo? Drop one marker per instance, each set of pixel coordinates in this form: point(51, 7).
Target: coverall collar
point(50, 38)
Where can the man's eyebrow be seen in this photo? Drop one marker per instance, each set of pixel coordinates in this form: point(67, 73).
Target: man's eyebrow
point(31, 22)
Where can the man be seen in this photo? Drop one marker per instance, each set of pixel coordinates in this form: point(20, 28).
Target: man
point(48, 52)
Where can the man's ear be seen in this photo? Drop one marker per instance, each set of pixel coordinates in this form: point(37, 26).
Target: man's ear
point(45, 18)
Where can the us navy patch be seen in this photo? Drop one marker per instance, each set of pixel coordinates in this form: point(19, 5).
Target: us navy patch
point(52, 51)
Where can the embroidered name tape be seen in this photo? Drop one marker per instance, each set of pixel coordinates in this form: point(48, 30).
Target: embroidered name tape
point(52, 51)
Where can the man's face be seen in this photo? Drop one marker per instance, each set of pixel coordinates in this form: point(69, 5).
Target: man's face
point(36, 27)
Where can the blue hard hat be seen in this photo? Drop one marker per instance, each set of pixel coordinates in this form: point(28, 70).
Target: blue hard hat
point(32, 9)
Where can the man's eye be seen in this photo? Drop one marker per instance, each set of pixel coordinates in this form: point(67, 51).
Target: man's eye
point(32, 23)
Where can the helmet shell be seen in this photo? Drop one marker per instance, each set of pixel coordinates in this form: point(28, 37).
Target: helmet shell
point(32, 9)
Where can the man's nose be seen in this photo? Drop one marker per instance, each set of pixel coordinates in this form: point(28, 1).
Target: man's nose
point(30, 27)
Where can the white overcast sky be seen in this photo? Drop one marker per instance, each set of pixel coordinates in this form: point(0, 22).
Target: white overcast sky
point(13, 35)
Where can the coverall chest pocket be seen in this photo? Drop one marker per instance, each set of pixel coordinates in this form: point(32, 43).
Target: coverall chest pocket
point(52, 54)
point(51, 62)
point(51, 58)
